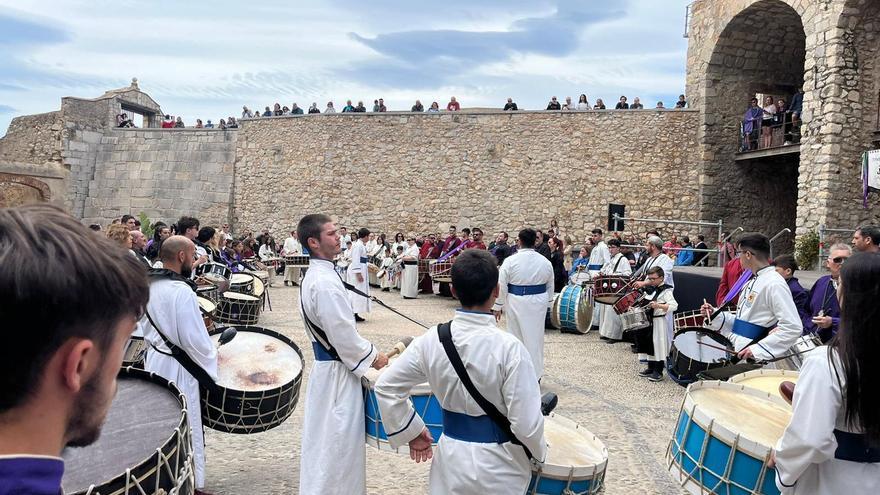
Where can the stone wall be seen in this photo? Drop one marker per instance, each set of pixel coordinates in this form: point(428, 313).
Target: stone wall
point(33, 139)
point(498, 171)
point(164, 173)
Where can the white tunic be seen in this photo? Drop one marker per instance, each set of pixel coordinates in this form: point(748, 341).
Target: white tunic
point(610, 325)
point(333, 455)
point(664, 262)
point(500, 367)
point(660, 324)
point(805, 453)
point(598, 257)
point(526, 314)
point(409, 283)
point(765, 301)
point(291, 246)
point(174, 308)
point(266, 252)
point(359, 304)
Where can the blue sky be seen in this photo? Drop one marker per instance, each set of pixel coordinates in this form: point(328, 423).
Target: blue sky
point(207, 59)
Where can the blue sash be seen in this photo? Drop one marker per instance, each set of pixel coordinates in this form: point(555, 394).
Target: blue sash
point(526, 290)
point(749, 330)
point(594, 268)
point(476, 429)
point(364, 259)
point(321, 354)
point(854, 447)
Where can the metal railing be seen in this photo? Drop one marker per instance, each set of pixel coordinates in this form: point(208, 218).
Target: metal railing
point(786, 133)
point(783, 231)
point(717, 225)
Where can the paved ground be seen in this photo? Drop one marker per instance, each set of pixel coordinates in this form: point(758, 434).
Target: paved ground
point(596, 383)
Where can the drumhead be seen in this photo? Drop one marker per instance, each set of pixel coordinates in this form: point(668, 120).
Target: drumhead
point(241, 278)
point(571, 447)
point(765, 380)
point(259, 287)
point(141, 419)
point(254, 361)
point(239, 296)
point(206, 305)
point(728, 405)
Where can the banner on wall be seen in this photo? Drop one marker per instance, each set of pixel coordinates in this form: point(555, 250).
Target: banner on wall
point(870, 174)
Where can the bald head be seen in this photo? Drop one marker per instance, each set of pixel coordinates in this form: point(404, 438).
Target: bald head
point(173, 246)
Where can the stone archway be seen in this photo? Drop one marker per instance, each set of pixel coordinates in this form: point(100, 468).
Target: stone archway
point(762, 49)
point(16, 190)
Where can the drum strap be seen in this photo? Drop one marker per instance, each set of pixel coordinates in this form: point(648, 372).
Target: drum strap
point(444, 330)
point(183, 358)
point(318, 334)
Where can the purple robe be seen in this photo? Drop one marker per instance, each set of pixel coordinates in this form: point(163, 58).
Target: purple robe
point(801, 302)
point(31, 475)
point(823, 297)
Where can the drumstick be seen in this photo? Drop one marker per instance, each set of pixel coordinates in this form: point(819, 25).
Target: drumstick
point(400, 346)
point(718, 347)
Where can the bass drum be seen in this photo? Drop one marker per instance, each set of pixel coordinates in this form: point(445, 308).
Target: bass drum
point(572, 310)
point(688, 358)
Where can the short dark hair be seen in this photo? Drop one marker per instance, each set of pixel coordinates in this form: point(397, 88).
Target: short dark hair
point(757, 243)
point(206, 233)
point(596, 231)
point(363, 232)
point(186, 223)
point(477, 229)
point(505, 234)
point(310, 226)
point(528, 237)
point(474, 276)
point(125, 218)
point(701, 237)
point(453, 227)
point(871, 231)
point(786, 261)
point(59, 281)
point(656, 270)
point(613, 242)
point(95, 227)
point(466, 230)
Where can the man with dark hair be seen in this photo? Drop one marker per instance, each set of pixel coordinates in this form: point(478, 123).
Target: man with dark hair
point(174, 311)
point(542, 245)
point(59, 376)
point(866, 239)
point(188, 227)
point(129, 221)
point(477, 241)
point(610, 325)
point(333, 456)
point(525, 292)
point(599, 256)
point(471, 457)
point(357, 274)
point(701, 257)
point(786, 266)
point(138, 243)
point(502, 249)
point(451, 242)
point(765, 303)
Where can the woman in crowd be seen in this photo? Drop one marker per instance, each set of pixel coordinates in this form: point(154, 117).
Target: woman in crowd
point(120, 234)
point(768, 114)
point(435, 107)
point(266, 250)
point(600, 105)
point(583, 104)
point(567, 255)
point(560, 276)
point(199, 124)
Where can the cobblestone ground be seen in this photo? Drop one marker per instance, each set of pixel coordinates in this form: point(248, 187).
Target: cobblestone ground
point(596, 383)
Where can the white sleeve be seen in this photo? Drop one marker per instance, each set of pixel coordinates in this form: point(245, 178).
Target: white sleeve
point(723, 322)
point(337, 320)
point(809, 438)
point(789, 325)
point(191, 332)
point(402, 424)
point(522, 396)
point(550, 283)
point(502, 287)
point(356, 253)
point(668, 298)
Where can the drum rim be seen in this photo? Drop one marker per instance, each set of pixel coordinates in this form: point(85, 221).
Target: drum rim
point(577, 473)
point(383, 443)
point(207, 310)
point(582, 325)
point(179, 434)
point(763, 372)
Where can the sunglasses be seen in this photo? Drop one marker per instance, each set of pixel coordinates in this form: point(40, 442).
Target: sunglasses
point(839, 260)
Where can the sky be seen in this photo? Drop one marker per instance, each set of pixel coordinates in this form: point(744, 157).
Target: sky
point(205, 59)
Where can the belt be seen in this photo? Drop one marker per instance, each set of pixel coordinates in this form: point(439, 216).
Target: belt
point(476, 429)
point(749, 330)
point(526, 290)
point(410, 262)
point(854, 447)
point(321, 354)
point(594, 268)
point(364, 259)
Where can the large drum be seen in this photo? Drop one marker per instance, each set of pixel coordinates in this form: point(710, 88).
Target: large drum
point(426, 405)
point(297, 261)
point(765, 380)
point(242, 283)
point(688, 357)
point(627, 301)
point(208, 310)
point(238, 309)
point(688, 319)
point(572, 310)
point(259, 376)
point(209, 291)
point(215, 273)
point(608, 289)
point(441, 271)
point(634, 319)
point(575, 463)
point(134, 353)
point(797, 353)
point(145, 445)
point(723, 438)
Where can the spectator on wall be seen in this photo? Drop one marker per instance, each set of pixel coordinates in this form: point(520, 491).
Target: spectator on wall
point(267, 113)
point(199, 124)
point(418, 107)
point(682, 102)
point(348, 108)
point(582, 103)
point(296, 110)
point(636, 104)
point(209, 125)
point(178, 124)
point(222, 125)
point(660, 106)
point(510, 105)
point(359, 108)
point(168, 122)
point(569, 105)
point(435, 107)
point(382, 107)
point(122, 120)
point(769, 112)
point(751, 124)
point(453, 105)
point(329, 108)
point(246, 113)
point(622, 104)
point(277, 110)
point(314, 108)
point(554, 104)
point(600, 105)
point(375, 105)
point(231, 123)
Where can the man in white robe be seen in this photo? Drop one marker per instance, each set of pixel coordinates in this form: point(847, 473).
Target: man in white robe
point(610, 326)
point(357, 275)
point(765, 304)
point(292, 247)
point(173, 307)
point(598, 257)
point(470, 458)
point(525, 284)
point(333, 456)
point(655, 257)
point(409, 281)
point(662, 302)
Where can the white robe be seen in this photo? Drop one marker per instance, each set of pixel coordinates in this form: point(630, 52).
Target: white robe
point(667, 264)
point(598, 257)
point(174, 308)
point(359, 304)
point(333, 456)
point(610, 325)
point(409, 282)
point(805, 453)
point(765, 301)
point(526, 314)
point(660, 324)
point(500, 367)
point(292, 247)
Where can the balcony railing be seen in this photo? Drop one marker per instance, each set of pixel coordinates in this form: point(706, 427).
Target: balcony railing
point(776, 137)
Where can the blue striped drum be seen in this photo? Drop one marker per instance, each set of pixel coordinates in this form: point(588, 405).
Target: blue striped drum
point(723, 438)
point(573, 309)
point(426, 405)
point(576, 460)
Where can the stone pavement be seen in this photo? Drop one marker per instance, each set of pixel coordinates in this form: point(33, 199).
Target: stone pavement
point(596, 383)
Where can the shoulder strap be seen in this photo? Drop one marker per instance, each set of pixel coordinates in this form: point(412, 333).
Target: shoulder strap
point(317, 332)
point(444, 331)
point(617, 263)
point(183, 358)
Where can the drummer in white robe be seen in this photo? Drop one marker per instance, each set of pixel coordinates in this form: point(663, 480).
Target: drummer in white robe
point(662, 302)
point(825, 448)
point(598, 257)
point(409, 281)
point(525, 284)
point(765, 304)
point(333, 457)
point(655, 257)
point(610, 326)
point(291, 247)
point(470, 458)
point(358, 276)
point(173, 307)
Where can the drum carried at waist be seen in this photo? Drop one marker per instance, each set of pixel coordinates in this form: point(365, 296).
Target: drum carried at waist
point(635, 318)
point(259, 377)
point(798, 351)
point(238, 309)
point(576, 460)
point(627, 301)
point(572, 309)
point(145, 445)
point(440, 271)
point(688, 357)
point(608, 289)
point(424, 402)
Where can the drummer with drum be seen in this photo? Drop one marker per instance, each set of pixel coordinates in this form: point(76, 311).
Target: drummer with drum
point(598, 257)
point(291, 247)
point(653, 257)
point(654, 340)
point(610, 328)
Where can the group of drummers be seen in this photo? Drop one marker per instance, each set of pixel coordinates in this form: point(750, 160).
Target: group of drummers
point(81, 308)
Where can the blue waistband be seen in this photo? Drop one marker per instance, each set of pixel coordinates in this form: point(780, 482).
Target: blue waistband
point(854, 447)
point(476, 429)
point(321, 354)
point(749, 330)
point(593, 268)
point(364, 259)
point(526, 290)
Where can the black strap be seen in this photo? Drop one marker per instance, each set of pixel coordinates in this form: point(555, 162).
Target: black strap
point(183, 358)
point(444, 331)
point(317, 332)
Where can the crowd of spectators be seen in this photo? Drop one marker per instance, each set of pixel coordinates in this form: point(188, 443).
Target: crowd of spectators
point(773, 123)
